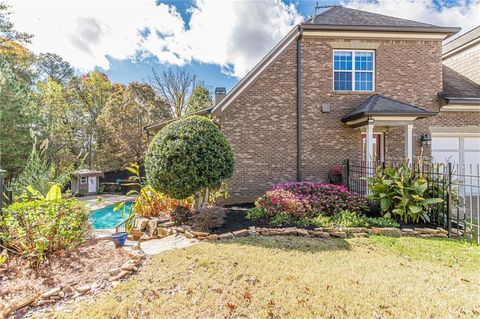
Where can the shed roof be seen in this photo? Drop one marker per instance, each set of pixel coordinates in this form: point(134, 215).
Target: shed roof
point(87, 172)
point(381, 105)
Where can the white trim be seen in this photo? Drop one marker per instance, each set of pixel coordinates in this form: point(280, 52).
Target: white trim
point(353, 70)
point(460, 108)
point(409, 143)
point(377, 35)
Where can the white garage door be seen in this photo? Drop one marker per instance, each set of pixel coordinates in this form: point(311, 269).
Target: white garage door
point(464, 153)
point(461, 150)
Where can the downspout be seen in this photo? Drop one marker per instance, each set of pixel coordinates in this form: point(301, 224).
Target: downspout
point(299, 104)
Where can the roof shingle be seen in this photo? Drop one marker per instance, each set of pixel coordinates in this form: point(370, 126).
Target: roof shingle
point(381, 105)
point(457, 85)
point(338, 15)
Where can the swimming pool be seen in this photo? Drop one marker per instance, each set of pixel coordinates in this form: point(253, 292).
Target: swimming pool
point(106, 218)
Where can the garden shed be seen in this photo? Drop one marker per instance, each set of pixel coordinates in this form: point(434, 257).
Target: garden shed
point(86, 181)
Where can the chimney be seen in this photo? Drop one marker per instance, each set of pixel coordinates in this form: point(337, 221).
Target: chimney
point(220, 93)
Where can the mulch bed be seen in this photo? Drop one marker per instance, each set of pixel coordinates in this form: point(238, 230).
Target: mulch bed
point(89, 263)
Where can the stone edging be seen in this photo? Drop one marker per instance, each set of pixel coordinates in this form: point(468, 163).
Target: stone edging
point(64, 292)
point(146, 229)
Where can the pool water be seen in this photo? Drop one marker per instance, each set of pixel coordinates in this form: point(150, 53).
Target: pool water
point(106, 218)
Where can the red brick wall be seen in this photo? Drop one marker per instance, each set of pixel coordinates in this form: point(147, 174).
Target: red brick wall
point(261, 122)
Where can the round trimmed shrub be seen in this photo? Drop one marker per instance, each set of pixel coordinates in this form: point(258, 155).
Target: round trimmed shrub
point(188, 156)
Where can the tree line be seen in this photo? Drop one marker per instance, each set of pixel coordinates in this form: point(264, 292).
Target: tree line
point(83, 119)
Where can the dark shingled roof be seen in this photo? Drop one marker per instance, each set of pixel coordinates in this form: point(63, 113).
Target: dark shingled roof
point(345, 16)
point(456, 85)
point(381, 105)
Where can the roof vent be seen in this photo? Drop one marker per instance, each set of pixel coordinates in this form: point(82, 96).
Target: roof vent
point(220, 93)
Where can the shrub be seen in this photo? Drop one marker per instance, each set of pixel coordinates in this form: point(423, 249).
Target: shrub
point(180, 215)
point(206, 219)
point(347, 218)
point(402, 193)
point(382, 222)
point(38, 228)
point(187, 157)
point(292, 202)
point(150, 203)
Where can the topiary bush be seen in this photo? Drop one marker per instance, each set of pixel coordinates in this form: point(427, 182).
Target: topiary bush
point(187, 157)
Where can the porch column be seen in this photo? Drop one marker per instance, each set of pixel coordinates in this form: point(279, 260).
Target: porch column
point(409, 143)
point(369, 148)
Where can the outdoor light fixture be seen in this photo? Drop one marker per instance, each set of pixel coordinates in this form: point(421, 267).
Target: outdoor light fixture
point(426, 140)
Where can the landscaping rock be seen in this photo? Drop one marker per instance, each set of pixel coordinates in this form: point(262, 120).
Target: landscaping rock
point(167, 224)
point(128, 265)
point(338, 234)
point(325, 235)
point(163, 232)
point(84, 289)
point(289, 231)
point(442, 231)
point(19, 305)
point(252, 231)
point(426, 230)
point(189, 235)
point(151, 227)
point(115, 271)
point(330, 229)
point(302, 232)
point(318, 229)
point(317, 233)
point(200, 233)
point(390, 231)
point(359, 234)
point(136, 233)
point(68, 290)
point(241, 233)
point(186, 227)
point(52, 292)
point(225, 236)
point(441, 235)
point(141, 223)
point(121, 275)
point(145, 237)
point(212, 237)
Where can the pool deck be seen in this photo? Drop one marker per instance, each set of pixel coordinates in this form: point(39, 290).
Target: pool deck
point(107, 199)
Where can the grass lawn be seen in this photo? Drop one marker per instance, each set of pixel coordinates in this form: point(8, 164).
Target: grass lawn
point(294, 277)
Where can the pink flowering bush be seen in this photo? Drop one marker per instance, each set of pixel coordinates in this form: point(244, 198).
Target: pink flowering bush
point(290, 203)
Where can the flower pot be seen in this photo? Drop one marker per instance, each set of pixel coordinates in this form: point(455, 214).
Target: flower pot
point(119, 239)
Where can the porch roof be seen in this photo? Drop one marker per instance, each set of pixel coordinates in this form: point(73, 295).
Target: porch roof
point(378, 105)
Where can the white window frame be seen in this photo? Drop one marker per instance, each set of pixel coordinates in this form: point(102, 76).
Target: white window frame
point(353, 70)
point(83, 180)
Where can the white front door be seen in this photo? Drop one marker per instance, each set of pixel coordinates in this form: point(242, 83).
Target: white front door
point(92, 184)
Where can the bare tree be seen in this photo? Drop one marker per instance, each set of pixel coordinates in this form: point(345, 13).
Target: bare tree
point(175, 87)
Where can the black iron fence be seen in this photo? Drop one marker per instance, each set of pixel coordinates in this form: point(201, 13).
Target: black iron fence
point(457, 185)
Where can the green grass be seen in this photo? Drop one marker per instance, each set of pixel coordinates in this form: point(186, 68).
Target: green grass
point(294, 277)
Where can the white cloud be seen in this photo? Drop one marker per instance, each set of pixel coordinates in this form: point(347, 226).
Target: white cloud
point(232, 34)
point(464, 14)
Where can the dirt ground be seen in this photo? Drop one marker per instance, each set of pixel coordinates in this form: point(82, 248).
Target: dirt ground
point(87, 264)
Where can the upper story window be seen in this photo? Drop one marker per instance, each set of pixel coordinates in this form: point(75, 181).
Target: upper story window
point(353, 70)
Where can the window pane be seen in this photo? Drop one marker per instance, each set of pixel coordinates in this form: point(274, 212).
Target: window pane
point(446, 157)
point(342, 60)
point(343, 81)
point(472, 143)
point(445, 143)
point(363, 81)
point(364, 61)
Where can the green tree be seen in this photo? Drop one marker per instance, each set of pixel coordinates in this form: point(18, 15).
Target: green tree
point(56, 122)
point(89, 94)
point(16, 101)
point(188, 157)
point(129, 109)
point(52, 66)
point(12, 46)
point(199, 99)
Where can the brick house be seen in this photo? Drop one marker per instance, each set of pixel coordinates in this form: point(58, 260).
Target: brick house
point(346, 84)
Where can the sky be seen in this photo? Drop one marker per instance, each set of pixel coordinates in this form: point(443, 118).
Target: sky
point(218, 41)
